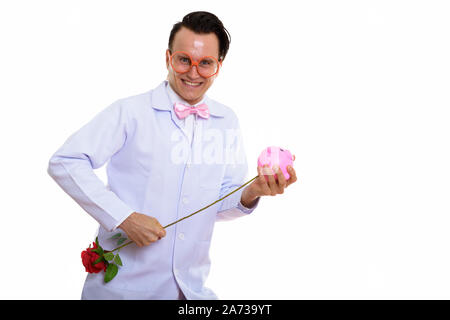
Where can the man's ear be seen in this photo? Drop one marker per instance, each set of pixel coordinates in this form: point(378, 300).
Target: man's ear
point(218, 71)
point(167, 58)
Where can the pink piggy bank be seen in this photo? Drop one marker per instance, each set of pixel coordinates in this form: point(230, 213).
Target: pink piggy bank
point(275, 156)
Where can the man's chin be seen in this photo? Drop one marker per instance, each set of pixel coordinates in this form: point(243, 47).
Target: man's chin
point(191, 98)
point(190, 95)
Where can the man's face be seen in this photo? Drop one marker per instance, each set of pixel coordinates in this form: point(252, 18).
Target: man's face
point(191, 86)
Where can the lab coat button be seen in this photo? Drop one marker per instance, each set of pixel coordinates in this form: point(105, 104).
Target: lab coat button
point(181, 236)
point(185, 200)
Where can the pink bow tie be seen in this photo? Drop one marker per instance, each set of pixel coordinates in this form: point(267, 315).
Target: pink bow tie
point(183, 111)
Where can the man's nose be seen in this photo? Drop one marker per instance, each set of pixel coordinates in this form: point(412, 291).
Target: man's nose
point(193, 72)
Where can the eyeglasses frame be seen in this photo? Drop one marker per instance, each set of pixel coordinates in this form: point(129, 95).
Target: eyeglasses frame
point(195, 63)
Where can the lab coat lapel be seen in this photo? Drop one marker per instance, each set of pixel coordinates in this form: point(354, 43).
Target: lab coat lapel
point(161, 101)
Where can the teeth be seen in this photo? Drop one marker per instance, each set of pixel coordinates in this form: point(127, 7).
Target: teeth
point(191, 83)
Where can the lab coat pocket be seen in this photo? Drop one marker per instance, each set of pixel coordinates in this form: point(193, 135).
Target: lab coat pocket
point(209, 194)
point(211, 177)
point(202, 253)
point(112, 240)
point(201, 263)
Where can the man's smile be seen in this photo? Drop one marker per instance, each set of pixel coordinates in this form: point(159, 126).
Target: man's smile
point(191, 83)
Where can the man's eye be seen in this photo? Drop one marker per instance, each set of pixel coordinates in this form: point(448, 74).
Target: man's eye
point(185, 60)
point(205, 63)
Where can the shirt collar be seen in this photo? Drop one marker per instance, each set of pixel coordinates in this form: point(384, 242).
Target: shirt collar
point(162, 101)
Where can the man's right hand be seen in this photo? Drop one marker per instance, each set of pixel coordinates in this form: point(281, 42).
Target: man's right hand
point(142, 229)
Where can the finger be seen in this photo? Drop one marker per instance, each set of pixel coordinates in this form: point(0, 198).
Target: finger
point(293, 175)
point(159, 230)
point(149, 237)
point(272, 183)
point(281, 179)
point(266, 170)
point(160, 233)
point(153, 238)
point(135, 241)
point(138, 242)
point(262, 181)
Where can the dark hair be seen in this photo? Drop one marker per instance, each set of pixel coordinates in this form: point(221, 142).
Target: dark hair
point(204, 22)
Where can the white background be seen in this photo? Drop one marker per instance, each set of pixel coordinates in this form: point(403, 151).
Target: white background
point(357, 90)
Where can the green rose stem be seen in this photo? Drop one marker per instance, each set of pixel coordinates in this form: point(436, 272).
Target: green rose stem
point(209, 205)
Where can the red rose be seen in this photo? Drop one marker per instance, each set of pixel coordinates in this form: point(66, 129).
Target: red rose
point(88, 258)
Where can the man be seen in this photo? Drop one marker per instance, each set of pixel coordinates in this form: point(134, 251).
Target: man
point(162, 168)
